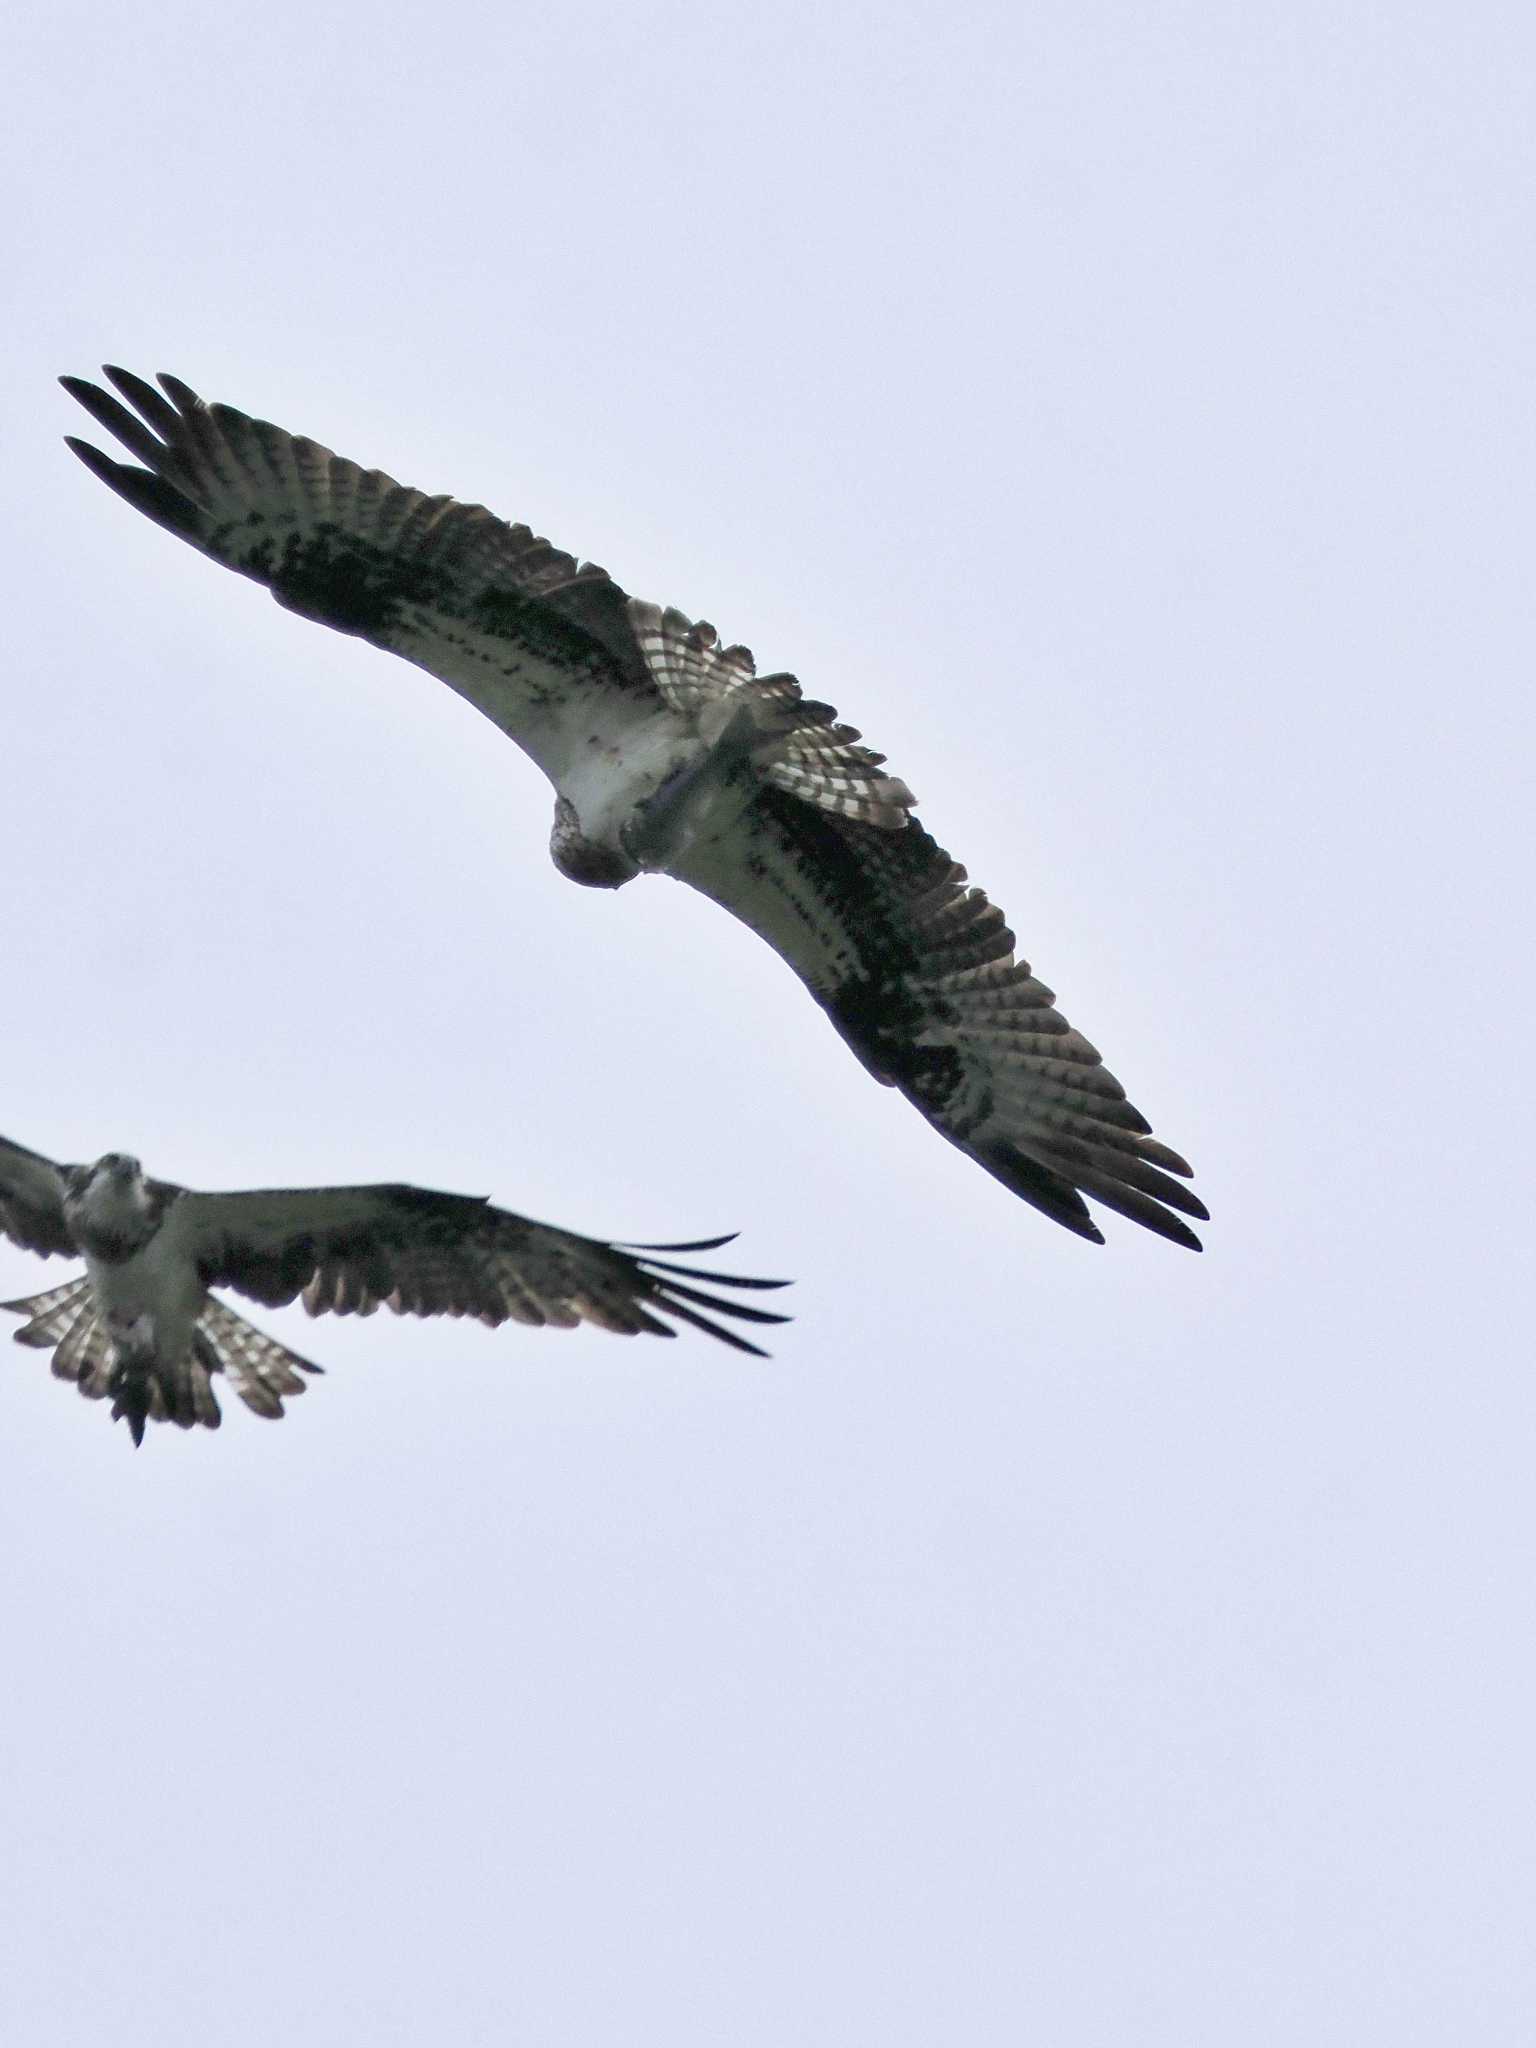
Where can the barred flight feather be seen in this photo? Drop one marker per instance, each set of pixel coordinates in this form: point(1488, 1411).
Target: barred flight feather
point(261, 1370)
point(813, 757)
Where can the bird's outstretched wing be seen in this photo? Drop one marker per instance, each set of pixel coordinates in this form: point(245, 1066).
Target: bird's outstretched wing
point(349, 1251)
point(488, 607)
point(32, 1201)
point(919, 975)
point(500, 615)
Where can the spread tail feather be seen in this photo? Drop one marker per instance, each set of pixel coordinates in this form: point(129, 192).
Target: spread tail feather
point(142, 1387)
point(65, 1321)
point(260, 1370)
point(52, 1315)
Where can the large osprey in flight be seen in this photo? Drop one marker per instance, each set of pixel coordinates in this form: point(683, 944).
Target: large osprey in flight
point(141, 1325)
point(669, 754)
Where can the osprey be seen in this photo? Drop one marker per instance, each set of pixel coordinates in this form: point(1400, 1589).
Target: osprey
point(141, 1325)
point(670, 755)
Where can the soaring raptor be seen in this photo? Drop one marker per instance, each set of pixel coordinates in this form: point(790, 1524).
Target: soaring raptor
point(669, 754)
point(141, 1326)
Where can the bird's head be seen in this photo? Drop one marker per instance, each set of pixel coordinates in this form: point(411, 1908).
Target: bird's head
point(114, 1175)
point(110, 1207)
point(120, 1167)
point(588, 861)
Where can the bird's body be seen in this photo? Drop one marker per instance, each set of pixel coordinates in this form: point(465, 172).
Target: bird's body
point(144, 1326)
point(606, 750)
point(669, 754)
point(142, 1272)
point(148, 1302)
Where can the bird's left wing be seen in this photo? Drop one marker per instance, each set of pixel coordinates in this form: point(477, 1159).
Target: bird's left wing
point(32, 1201)
point(347, 1251)
point(919, 974)
point(504, 618)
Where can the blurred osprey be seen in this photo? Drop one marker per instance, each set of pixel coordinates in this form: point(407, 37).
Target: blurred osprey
point(141, 1325)
point(670, 755)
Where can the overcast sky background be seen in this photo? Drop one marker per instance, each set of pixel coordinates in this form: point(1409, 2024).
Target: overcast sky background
point(1123, 415)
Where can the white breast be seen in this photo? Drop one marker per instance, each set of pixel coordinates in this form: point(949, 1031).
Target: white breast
point(157, 1290)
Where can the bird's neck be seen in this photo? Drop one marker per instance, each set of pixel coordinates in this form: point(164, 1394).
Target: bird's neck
point(113, 1218)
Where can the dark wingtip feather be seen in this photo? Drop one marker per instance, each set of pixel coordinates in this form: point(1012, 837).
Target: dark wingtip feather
point(1041, 1188)
point(1080, 1226)
point(672, 1292)
point(1054, 1189)
point(1165, 1157)
point(97, 463)
point(694, 1244)
point(1140, 1208)
point(151, 495)
point(715, 1279)
point(162, 417)
point(180, 394)
point(123, 425)
point(1176, 1232)
point(1090, 1167)
point(685, 1314)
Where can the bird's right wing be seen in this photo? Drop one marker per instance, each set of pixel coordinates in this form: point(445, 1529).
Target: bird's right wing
point(522, 630)
point(32, 1201)
point(348, 1251)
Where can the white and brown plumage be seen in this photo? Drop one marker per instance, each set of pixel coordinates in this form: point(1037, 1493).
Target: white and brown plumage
point(669, 754)
point(141, 1326)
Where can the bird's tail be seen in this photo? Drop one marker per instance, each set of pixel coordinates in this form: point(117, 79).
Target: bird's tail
point(142, 1387)
point(260, 1370)
point(65, 1321)
point(53, 1316)
point(105, 1363)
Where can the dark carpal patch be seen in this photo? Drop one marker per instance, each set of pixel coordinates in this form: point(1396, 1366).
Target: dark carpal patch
point(879, 1019)
point(533, 624)
point(339, 582)
point(865, 878)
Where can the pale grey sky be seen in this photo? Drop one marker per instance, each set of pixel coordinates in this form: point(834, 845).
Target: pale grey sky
point(1124, 416)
